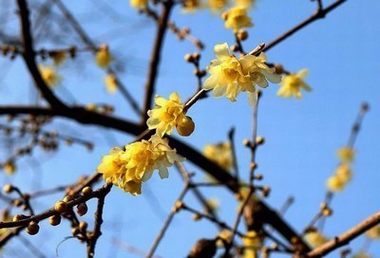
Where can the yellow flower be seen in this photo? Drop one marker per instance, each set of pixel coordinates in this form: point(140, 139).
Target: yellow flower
point(346, 154)
point(10, 167)
point(217, 5)
point(292, 84)
point(58, 57)
point(245, 3)
point(335, 183)
point(49, 75)
point(374, 233)
point(220, 153)
point(103, 56)
point(139, 4)
point(224, 236)
point(111, 83)
point(213, 204)
point(190, 5)
point(315, 238)
point(167, 114)
point(229, 75)
point(5, 216)
point(128, 169)
point(252, 243)
point(237, 18)
point(362, 254)
point(344, 172)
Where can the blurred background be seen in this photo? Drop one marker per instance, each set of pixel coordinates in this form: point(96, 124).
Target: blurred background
point(302, 136)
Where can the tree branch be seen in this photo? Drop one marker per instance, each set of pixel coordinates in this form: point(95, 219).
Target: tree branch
point(346, 237)
point(155, 57)
point(29, 58)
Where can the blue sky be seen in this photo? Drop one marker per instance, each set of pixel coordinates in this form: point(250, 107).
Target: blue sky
point(302, 136)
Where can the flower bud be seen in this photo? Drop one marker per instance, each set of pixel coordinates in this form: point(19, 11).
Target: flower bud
point(55, 220)
point(82, 209)
point(32, 228)
point(60, 206)
point(185, 126)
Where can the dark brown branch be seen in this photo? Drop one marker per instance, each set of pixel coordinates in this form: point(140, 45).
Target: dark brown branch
point(85, 117)
point(98, 223)
point(346, 237)
point(29, 57)
point(321, 13)
point(155, 57)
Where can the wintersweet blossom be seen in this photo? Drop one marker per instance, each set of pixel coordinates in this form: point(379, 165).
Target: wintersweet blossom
point(9, 167)
point(111, 83)
point(292, 84)
point(129, 168)
point(49, 75)
point(190, 5)
point(139, 4)
point(335, 183)
point(252, 243)
point(237, 18)
point(168, 114)
point(245, 3)
point(217, 5)
point(315, 238)
point(346, 154)
point(103, 56)
point(230, 75)
point(374, 233)
point(220, 153)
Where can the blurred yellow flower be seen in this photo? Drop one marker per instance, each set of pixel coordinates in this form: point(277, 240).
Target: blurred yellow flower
point(237, 18)
point(344, 172)
point(217, 5)
point(49, 75)
point(361, 254)
point(167, 114)
point(229, 75)
point(245, 3)
point(129, 168)
point(315, 238)
point(111, 83)
point(373, 233)
point(220, 153)
point(190, 5)
point(213, 204)
point(346, 154)
point(252, 243)
point(292, 84)
point(139, 4)
point(9, 167)
point(103, 56)
point(335, 183)
point(58, 57)
point(224, 236)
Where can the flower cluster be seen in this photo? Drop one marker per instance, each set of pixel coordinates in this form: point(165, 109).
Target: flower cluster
point(230, 75)
point(252, 242)
point(343, 173)
point(315, 238)
point(129, 168)
point(49, 75)
point(237, 18)
point(292, 84)
point(139, 4)
point(103, 56)
point(111, 83)
point(169, 114)
point(220, 153)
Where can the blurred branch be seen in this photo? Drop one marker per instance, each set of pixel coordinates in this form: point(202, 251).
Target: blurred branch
point(29, 57)
point(345, 237)
point(152, 75)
